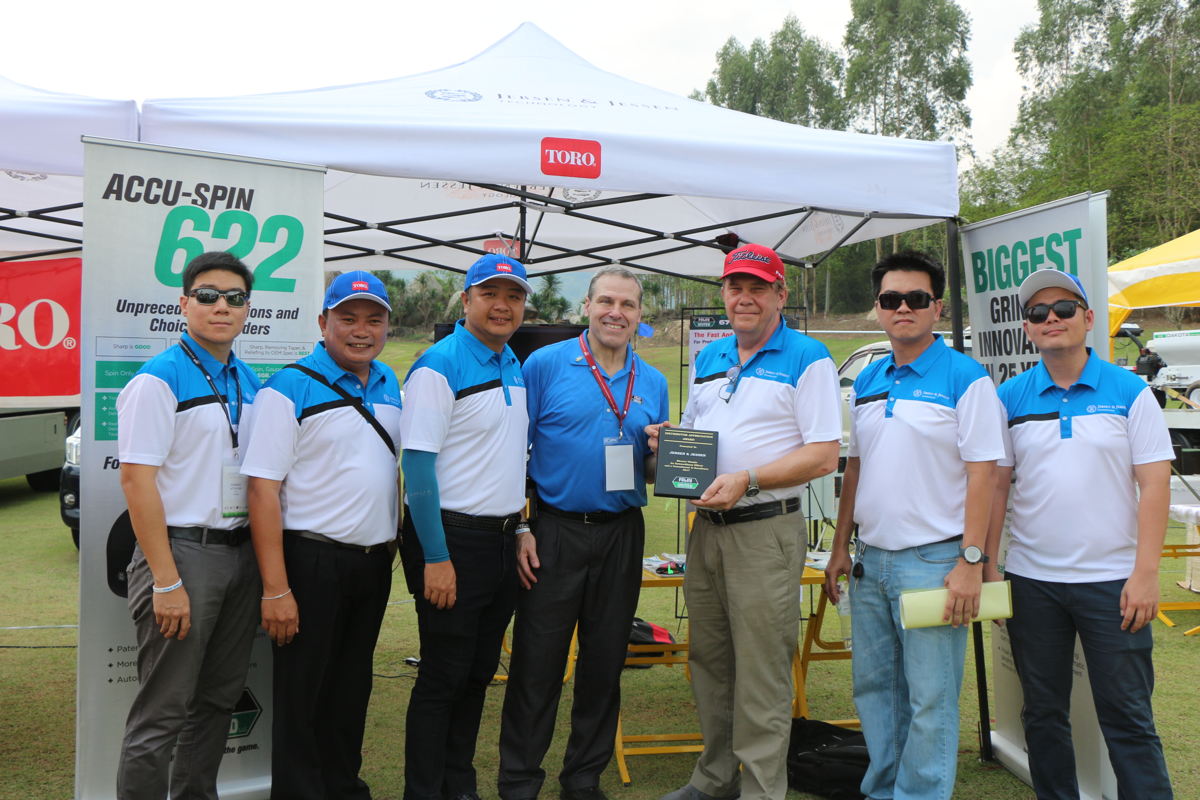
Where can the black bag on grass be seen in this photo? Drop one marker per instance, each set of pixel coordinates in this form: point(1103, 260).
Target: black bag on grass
point(826, 760)
point(647, 633)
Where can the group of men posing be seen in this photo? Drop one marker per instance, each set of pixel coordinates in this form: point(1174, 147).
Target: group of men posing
point(309, 461)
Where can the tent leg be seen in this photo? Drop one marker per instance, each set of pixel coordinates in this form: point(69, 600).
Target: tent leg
point(955, 272)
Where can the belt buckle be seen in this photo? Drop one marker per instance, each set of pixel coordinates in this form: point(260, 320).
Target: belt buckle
point(508, 525)
point(718, 517)
point(586, 520)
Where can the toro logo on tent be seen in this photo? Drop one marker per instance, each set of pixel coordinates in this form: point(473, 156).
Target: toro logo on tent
point(572, 158)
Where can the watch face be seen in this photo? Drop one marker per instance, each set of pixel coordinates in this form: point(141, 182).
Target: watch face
point(972, 554)
point(752, 491)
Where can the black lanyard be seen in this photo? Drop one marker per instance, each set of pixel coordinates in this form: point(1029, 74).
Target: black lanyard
point(233, 434)
point(603, 384)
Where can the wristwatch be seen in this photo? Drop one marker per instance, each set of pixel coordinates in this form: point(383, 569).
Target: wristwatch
point(972, 555)
point(752, 490)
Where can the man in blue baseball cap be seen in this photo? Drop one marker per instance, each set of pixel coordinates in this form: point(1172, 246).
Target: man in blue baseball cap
point(321, 457)
point(464, 428)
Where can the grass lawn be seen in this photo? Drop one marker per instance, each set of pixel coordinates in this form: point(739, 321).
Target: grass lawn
point(38, 612)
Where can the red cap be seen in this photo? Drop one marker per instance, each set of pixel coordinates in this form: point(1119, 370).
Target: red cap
point(756, 260)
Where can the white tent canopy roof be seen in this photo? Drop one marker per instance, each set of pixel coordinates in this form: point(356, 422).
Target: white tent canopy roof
point(414, 160)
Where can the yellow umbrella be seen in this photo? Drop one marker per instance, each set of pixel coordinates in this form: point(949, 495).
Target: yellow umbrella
point(1167, 275)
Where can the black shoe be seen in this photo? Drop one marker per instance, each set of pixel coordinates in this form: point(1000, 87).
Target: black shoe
point(585, 793)
point(466, 796)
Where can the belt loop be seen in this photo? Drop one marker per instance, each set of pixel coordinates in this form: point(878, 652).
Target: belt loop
point(204, 536)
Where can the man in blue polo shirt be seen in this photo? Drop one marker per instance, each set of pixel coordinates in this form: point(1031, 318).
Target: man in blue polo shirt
point(590, 399)
point(324, 508)
point(1090, 451)
point(465, 429)
point(771, 394)
point(192, 581)
point(924, 439)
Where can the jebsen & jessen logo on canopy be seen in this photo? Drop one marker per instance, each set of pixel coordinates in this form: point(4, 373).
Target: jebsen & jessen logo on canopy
point(572, 158)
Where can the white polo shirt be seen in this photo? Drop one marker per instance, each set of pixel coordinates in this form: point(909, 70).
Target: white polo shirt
point(466, 402)
point(339, 477)
point(1074, 499)
point(912, 428)
point(784, 397)
point(168, 417)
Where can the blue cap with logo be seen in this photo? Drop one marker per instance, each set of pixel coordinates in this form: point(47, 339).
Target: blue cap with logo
point(497, 266)
point(356, 285)
point(1046, 279)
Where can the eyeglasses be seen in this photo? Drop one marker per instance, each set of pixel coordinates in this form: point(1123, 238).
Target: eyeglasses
point(235, 298)
point(916, 299)
point(726, 391)
point(1063, 309)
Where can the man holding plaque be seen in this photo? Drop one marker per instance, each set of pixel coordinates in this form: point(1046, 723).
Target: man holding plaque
point(590, 399)
point(1091, 455)
point(925, 434)
point(771, 394)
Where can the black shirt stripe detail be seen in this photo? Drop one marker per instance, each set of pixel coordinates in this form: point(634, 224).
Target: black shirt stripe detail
point(716, 376)
point(321, 408)
point(476, 389)
point(184, 405)
point(871, 398)
point(1032, 418)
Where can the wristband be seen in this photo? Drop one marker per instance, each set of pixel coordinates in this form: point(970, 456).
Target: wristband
point(165, 589)
point(523, 528)
point(277, 596)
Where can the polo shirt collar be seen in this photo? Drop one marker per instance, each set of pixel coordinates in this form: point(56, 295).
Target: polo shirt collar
point(775, 342)
point(211, 364)
point(582, 362)
point(932, 354)
point(483, 354)
point(329, 368)
point(1090, 376)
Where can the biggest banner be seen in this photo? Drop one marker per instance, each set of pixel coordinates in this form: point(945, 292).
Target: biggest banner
point(149, 210)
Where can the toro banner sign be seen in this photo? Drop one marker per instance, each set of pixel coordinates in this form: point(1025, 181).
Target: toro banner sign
point(147, 211)
point(39, 332)
point(1068, 235)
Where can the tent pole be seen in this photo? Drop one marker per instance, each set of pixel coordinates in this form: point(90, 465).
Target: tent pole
point(955, 271)
point(521, 229)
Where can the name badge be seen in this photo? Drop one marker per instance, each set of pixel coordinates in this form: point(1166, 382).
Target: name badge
point(233, 492)
point(618, 467)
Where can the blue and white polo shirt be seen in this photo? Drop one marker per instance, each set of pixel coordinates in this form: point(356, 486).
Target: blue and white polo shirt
point(339, 477)
point(912, 428)
point(168, 417)
point(1074, 500)
point(466, 402)
point(783, 398)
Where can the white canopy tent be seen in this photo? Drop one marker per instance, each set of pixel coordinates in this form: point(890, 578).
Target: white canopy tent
point(432, 169)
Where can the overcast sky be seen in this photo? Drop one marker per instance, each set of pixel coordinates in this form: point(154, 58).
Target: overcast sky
point(138, 49)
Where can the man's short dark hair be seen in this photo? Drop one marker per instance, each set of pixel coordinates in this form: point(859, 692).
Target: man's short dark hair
point(616, 271)
point(911, 261)
point(216, 259)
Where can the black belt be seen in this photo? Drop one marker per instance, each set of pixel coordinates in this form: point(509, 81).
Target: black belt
point(313, 536)
point(506, 525)
point(231, 537)
point(587, 517)
point(747, 513)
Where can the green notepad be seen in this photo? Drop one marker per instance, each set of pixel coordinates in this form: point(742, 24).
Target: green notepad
point(923, 608)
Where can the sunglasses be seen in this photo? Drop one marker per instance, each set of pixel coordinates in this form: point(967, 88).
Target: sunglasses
point(1063, 309)
point(235, 298)
point(916, 299)
point(726, 391)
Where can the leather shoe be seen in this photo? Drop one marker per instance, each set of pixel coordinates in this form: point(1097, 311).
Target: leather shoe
point(585, 793)
point(690, 792)
point(466, 796)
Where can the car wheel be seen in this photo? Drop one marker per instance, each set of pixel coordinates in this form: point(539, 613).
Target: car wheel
point(44, 481)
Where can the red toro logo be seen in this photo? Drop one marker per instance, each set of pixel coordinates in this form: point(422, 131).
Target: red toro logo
point(359, 286)
point(572, 158)
point(502, 267)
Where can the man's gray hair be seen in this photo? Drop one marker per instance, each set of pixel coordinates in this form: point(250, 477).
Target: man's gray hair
point(617, 271)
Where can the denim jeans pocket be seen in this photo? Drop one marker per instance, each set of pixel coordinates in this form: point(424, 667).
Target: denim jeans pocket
point(938, 552)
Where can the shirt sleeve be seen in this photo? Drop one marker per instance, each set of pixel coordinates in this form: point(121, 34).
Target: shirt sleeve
point(816, 405)
point(428, 407)
point(980, 422)
point(145, 421)
point(852, 447)
point(273, 437)
point(1149, 439)
point(664, 402)
point(531, 372)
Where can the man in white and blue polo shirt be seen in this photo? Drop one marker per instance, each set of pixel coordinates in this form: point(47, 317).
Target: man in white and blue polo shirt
point(324, 508)
point(925, 436)
point(192, 581)
point(1091, 454)
point(465, 430)
point(590, 399)
point(771, 393)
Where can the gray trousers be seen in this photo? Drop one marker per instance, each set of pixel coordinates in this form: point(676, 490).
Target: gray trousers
point(188, 688)
point(743, 597)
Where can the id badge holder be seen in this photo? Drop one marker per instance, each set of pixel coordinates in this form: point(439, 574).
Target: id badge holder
point(618, 465)
point(233, 492)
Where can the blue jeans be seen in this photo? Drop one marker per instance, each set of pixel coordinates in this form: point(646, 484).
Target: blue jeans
point(1046, 618)
point(906, 683)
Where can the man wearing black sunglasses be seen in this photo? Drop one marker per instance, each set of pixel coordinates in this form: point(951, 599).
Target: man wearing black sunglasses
point(925, 435)
point(1091, 454)
point(193, 583)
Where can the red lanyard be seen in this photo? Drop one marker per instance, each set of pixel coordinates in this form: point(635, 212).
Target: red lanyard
point(603, 384)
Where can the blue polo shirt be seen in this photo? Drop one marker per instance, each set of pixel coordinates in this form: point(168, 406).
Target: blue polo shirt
point(913, 427)
point(570, 420)
point(1074, 498)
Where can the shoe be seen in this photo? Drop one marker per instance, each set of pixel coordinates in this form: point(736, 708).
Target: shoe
point(466, 796)
point(690, 792)
point(585, 793)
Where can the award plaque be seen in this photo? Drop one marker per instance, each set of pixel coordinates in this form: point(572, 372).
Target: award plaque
point(687, 462)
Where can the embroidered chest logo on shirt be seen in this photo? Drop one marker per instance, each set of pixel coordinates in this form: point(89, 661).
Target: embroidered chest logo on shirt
point(925, 394)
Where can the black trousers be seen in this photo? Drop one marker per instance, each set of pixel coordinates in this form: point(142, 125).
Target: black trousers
point(590, 574)
point(460, 650)
point(323, 677)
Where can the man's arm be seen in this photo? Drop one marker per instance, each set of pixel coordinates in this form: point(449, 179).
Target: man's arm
point(839, 553)
point(965, 581)
point(425, 506)
point(172, 610)
point(805, 463)
point(1139, 597)
point(991, 570)
point(280, 613)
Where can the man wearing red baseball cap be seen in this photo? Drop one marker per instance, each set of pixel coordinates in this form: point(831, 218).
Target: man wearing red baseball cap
point(771, 393)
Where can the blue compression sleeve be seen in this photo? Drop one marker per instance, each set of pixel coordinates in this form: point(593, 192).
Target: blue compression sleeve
point(424, 503)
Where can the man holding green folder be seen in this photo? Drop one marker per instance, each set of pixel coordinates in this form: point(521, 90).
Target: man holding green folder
point(925, 435)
